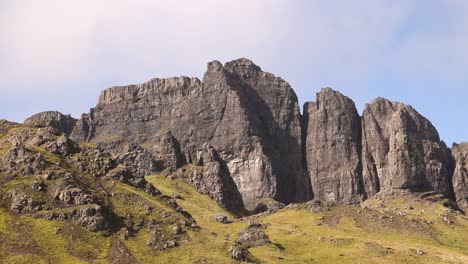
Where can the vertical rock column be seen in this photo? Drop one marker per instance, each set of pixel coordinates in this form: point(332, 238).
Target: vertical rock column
point(460, 176)
point(333, 147)
point(272, 108)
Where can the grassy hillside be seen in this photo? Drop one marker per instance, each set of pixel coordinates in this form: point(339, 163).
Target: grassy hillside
point(385, 229)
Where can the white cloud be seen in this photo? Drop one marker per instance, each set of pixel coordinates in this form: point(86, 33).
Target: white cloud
point(44, 40)
point(67, 40)
point(54, 49)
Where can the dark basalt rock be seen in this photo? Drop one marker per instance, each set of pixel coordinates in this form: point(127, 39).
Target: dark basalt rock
point(89, 216)
point(238, 136)
point(268, 206)
point(69, 194)
point(211, 176)
point(22, 203)
point(64, 123)
point(333, 147)
point(402, 150)
point(460, 176)
point(273, 109)
point(240, 254)
point(58, 179)
point(252, 236)
point(221, 218)
point(251, 117)
point(82, 129)
point(127, 176)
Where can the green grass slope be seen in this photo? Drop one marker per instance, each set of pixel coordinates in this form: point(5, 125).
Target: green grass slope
point(385, 229)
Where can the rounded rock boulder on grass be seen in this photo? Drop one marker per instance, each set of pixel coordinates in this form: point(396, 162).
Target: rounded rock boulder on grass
point(221, 218)
point(239, 253)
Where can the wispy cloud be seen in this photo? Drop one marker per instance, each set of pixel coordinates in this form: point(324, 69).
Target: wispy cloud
point(59, 54)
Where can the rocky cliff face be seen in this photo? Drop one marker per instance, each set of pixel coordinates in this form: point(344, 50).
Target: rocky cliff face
point(249, 116)
point(64, 123)
point(333, 147)
point(402, 150)
point(460, 177)
point(238, 136)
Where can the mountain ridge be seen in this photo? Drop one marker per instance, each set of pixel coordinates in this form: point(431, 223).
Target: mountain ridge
point(226, 170)
point(252, 120)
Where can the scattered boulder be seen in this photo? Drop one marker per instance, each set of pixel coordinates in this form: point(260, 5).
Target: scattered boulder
point(252, 236)
point(221, 218)
point(239, 253)
point(89, 216)
point(268, 206)
point(21, 203)
point(125, 175)
point(158, 242)
point(71, 195)
point(177, 196)
point(38, 186)
point(177, 230)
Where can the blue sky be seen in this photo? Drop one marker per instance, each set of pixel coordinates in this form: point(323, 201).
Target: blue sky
point(59, 55)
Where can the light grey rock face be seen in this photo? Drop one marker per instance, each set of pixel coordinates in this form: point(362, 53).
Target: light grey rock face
point(460, 176)
point(273, 110)
point(64, 123)
point(250, 117)
point(333, 147)
point(402, 150)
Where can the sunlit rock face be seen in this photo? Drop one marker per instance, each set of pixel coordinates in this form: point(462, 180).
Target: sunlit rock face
point(460, 176)
point(249, 116)
point(402, 150)
point(258, 144)
point(333, 147)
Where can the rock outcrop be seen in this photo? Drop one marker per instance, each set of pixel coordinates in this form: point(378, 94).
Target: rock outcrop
point(333, 147)
point(460, 176)
point(46, 175)
point(273, 110)
point(64, 123)
point(249, 116)
point(402, 150)
point(238, 136)
point(209, 175)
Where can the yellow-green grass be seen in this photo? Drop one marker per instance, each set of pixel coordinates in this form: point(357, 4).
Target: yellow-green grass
point(300, 236)
point(28, 240)
point(50, 157)
point(342, 234)
point(304, 239)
